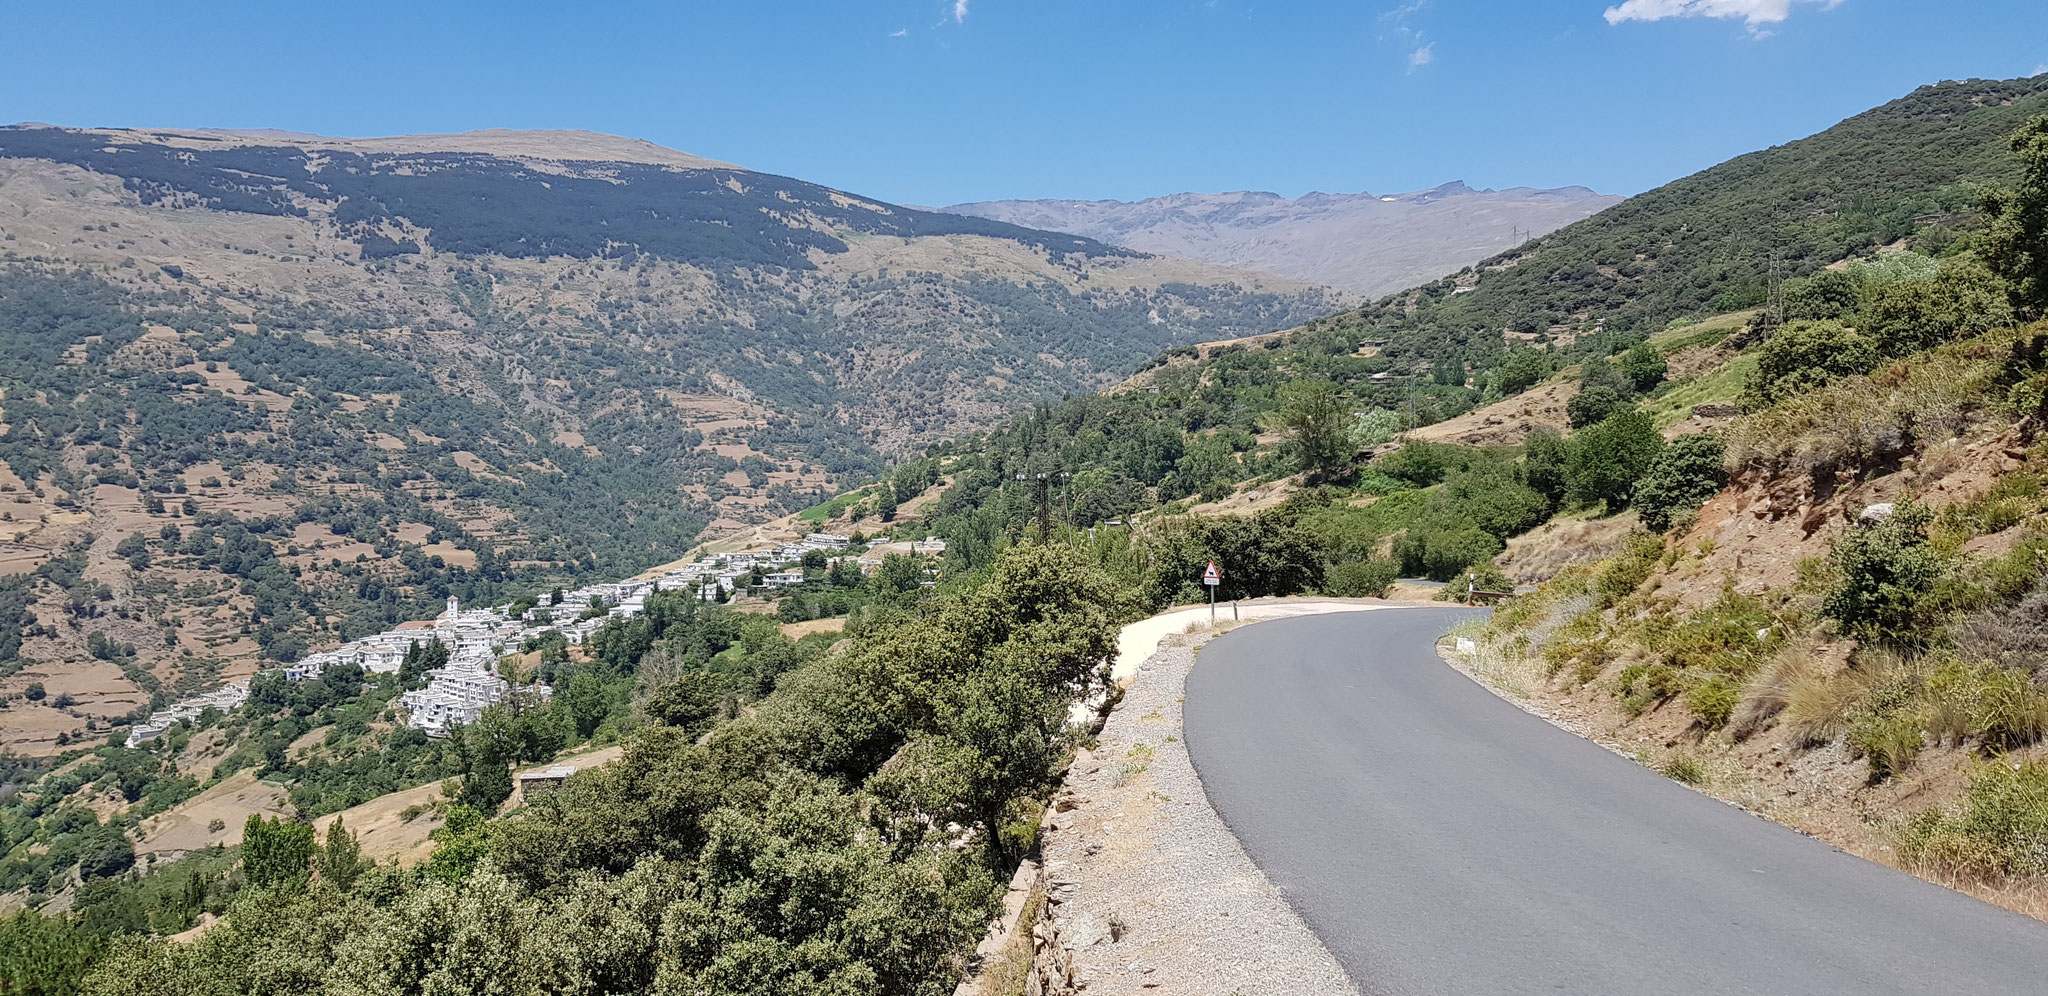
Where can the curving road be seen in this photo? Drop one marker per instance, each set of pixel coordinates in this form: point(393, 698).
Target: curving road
point(1441, 840)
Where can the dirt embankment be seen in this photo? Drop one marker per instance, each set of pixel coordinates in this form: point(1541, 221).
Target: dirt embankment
point(1759, 536)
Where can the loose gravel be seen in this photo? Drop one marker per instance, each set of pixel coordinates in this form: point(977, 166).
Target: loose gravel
point(1148, 885)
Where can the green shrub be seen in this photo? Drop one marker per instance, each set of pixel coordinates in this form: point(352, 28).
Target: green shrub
point(1713, 701)
point(1892, 585)
point(2001, 830)
point(1685, 770)
point(1646, 684)
point(1680, 480)
point(1627, 570)
point(1802, 356)
point(1362, 578)
point(1999, 706)
point(1889, 742)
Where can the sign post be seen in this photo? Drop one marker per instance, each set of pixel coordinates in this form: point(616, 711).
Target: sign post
point(1212, 576)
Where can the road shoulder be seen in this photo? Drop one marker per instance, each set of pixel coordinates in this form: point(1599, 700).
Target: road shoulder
point(1146, 889)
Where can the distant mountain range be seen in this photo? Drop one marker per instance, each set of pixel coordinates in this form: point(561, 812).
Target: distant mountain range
point(1364, 243)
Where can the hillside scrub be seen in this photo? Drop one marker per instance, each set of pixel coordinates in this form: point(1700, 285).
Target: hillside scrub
point(1875, 420)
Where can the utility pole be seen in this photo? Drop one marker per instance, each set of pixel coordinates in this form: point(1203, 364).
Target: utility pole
point(1045, 482)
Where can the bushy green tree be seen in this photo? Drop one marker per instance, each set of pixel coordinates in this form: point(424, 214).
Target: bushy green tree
point(276, 852)
point(340, 859)
point(1422, 464)
point(1964, 299)
point(487, 750)
point(1441, 553)
point(1376, 428)
point(1265, 554)
point(1491, 498)
point(1606, 460)
point(1544, 455)
point(691, 701)
point(1644, 366)
point(1681, 479)
point(1592, 405)
point(1805, 355)
point(1522, 370)
point(2016, 242)
point(45, 955)
point(1318, 427)
point(1827, 295)
point(1361, 578)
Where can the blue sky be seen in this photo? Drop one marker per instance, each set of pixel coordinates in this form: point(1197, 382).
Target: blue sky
point(938, 101)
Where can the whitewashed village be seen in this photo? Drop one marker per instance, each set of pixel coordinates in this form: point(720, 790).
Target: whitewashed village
point(458, 693)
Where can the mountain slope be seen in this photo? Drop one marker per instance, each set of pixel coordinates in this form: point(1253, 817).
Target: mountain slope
point(263, 392)
point(1364, 243)
point(1705, 244)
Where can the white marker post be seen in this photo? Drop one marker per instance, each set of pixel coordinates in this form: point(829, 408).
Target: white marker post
point(1212, 576)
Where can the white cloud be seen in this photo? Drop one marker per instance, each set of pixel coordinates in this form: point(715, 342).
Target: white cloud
point(899, 33)
point(1753, 13)
point(959, 11)
point(2041, 70)
point(1396, 29)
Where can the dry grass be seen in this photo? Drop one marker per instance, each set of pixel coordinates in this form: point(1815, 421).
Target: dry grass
point(2023, 895)
point(1511, 664)
point(1811, 696)
point(1006, 972)
point(1870, 421)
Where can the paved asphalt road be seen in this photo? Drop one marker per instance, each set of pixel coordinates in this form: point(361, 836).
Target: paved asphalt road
point(1440, 840)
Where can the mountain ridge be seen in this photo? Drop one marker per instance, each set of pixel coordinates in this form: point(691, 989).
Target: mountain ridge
point(1362, 242)
point(548, 144)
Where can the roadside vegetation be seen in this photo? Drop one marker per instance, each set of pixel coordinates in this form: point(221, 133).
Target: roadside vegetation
point(847, 834)
point(1904, 396)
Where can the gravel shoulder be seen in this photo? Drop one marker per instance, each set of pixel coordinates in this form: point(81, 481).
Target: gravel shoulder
point(1145, 882)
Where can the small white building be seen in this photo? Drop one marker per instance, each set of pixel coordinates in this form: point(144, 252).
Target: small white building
point(226, 697)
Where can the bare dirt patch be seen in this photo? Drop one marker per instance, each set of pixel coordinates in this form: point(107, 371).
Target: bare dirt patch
point(1506, 422)
point(799, 630)
point(188, 826)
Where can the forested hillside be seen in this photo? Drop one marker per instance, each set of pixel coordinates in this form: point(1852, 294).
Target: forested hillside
point(263, 394)
point(1712, 242)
